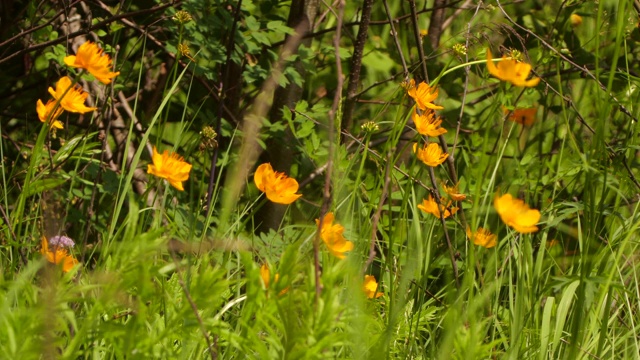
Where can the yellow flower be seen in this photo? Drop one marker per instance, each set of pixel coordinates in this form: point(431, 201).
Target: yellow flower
point(91, 58)
point(427, 123)
point(332, 236)
point(524, 116)
point(431, 207)
point(453, 193)
point(482, 237)
point(47, 113)
point(430, 154)
point(58, 254)
point(370, 286)
point(511, 70)
point(265, 274)
point(73, 97)
point(423, 95)
point(170, 166)
point(279, 187)
point(575, 20)
point(516, 214)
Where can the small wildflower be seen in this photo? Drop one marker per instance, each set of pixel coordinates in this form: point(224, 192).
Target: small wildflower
point(430, 206)
point(430, 154)
point(265, 274)
point(370, 127)
point(524, 116)
point(370, 286)
point(576, 20)
point(58, 253)
point(460, 49)
point(332, 236)
point(516, 214)
point(61, 240)
point(182, 17)
point(512, 71)
point(91, 58)
point(482, 237)
point(184, 51)
point(47, 113)
point(208, 140)
point(169, 166)
point(278, 187)
point(423, 95)
point(423, 33)
point(428, 124)
point(453, 192)
point(516, 55)
point(71, 98)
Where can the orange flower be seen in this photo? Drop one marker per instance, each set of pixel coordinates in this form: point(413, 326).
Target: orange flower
point(71, 98)
point(279, 188)
point(58, 254)
point(423, 95)
point(575, 20)
point(516, 214)
point(332, 236)
point(265, 274)
point(370, 286)
point(427, 123)
point(511, 70)
point(453, 193)
point(482, 237)
point(430, 154)
point(430, 206)
point(524, 116)
point(170, 166)
point(46, 113)
point(91, 58)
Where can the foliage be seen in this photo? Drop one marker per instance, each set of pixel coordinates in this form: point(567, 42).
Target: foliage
point(363, 264)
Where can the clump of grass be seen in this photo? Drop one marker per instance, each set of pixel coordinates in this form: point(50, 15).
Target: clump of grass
point(490, 212)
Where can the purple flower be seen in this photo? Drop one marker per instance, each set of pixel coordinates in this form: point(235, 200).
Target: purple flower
point(62, 241)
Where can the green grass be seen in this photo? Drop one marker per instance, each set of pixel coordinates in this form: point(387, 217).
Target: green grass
point(162, 275)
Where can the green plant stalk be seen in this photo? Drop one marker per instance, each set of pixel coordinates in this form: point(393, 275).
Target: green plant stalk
point(34, 161)
point(136, 159)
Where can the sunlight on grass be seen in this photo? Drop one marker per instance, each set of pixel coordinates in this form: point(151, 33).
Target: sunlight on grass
point(368, 180)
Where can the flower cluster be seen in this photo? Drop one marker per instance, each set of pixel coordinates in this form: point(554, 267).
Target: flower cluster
point(68, 95)
point(513, 212)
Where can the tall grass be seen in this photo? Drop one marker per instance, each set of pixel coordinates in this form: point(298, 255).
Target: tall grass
point(162, 275)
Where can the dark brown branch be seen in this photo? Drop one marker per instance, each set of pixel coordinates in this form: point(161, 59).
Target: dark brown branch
point(356, 65)
point(435, 25)
point(36, 28)
point(416, 34)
